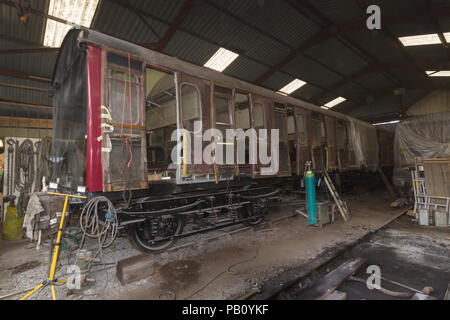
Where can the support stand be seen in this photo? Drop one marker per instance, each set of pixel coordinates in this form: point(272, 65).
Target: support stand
point(337, 199)
point(51, 278)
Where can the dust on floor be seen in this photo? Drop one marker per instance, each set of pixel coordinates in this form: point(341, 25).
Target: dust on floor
point(222, 269)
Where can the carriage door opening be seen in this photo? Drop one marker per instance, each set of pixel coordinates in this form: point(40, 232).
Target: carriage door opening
point(291, 138)
point(223, 120)
point(195, 119)
point(242, 119)
point(330, 126)
point(318, 142)
point(123, 132)
point(262, 118)
point(280, 123)
point(342, 145)
point(161, 122)
point(303, 140)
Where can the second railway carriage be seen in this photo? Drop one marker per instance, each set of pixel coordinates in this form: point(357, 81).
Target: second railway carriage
point(117, 104)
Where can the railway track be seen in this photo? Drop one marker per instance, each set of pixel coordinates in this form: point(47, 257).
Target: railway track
point(298, 277)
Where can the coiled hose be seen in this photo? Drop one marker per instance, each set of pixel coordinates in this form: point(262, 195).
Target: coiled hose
point(93, 227)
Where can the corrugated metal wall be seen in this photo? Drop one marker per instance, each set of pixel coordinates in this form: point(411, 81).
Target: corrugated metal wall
point(437, 101)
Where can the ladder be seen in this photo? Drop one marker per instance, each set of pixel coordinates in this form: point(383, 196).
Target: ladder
point(337, 199)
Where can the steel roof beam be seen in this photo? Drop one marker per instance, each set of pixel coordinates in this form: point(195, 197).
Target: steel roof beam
point(23, 75)
point(176, 23)
point(28, 50)
point(431, 64)
point(18, 86)
point(336, 30)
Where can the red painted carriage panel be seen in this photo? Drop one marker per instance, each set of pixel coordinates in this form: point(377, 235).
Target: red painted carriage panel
point(94, 102)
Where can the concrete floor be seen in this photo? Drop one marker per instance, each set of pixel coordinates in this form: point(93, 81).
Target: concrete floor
point(226, 268)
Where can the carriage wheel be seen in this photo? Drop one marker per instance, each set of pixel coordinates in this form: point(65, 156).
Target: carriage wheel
point(142, 238)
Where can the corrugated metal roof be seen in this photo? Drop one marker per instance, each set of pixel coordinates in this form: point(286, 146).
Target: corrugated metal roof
point(312, 72)
point(32, 31)
point(343, 59)
point(113, 19)
point(263, 32)
point(351, 91)
point(213, 24)
point(338, 11)
point(276, 18)
point(39, 97)
point(374, 81)
point(307, 92)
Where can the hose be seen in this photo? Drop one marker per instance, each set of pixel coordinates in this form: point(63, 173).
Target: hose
point(385, 291)
point(44, 167)
point(92, 226)
point(24, 167)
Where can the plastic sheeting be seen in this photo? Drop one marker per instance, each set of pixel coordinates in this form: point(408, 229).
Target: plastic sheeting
point(364, 143)
point(70, 113)
point(424, 137)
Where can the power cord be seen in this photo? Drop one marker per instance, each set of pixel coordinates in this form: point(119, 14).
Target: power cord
point(228, 270)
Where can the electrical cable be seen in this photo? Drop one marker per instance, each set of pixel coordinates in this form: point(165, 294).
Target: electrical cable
point(94, 228)
point(228, 270)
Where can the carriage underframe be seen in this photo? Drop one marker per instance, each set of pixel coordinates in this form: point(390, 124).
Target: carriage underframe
point(155, 224)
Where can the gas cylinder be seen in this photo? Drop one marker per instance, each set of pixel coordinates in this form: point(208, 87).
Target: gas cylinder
point(310, 194)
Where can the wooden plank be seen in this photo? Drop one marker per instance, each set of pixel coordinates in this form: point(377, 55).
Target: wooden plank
point(21, 122)
point(336, 295)
point(387, 184)
point(332, 280)
point(437, 175)
point(135, 268)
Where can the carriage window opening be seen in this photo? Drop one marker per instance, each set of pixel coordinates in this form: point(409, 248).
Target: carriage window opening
point(290, 126)
point(223, 106)
point(341, 136)
point(258, 116)
point(123, 61)
point(280, 124)
point(161, 116)
point(318, 132)
point(119, 79)
point(279, 105)
point(242, 114)
point(223, 116)
point(301, 128)
point(190, 106)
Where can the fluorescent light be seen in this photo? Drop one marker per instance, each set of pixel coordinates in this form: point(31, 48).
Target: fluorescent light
point(420, 40)
point(221, 59)
point(334, 102)
point(447, 36)
point(78, 12)
point(282, 93)
point(444, 73)
point(292, 86)
point(387, 122)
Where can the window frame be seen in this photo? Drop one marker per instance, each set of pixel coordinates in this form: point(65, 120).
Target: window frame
point(199, 106)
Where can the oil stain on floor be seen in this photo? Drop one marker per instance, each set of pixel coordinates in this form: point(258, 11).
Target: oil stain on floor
point(24, 267)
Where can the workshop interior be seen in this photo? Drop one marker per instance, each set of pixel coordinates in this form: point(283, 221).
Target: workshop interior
point(224, 150)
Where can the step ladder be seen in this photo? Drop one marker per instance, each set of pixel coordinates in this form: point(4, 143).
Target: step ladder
point(337, 199)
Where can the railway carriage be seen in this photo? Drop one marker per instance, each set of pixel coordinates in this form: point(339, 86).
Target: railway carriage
point(117, 104)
